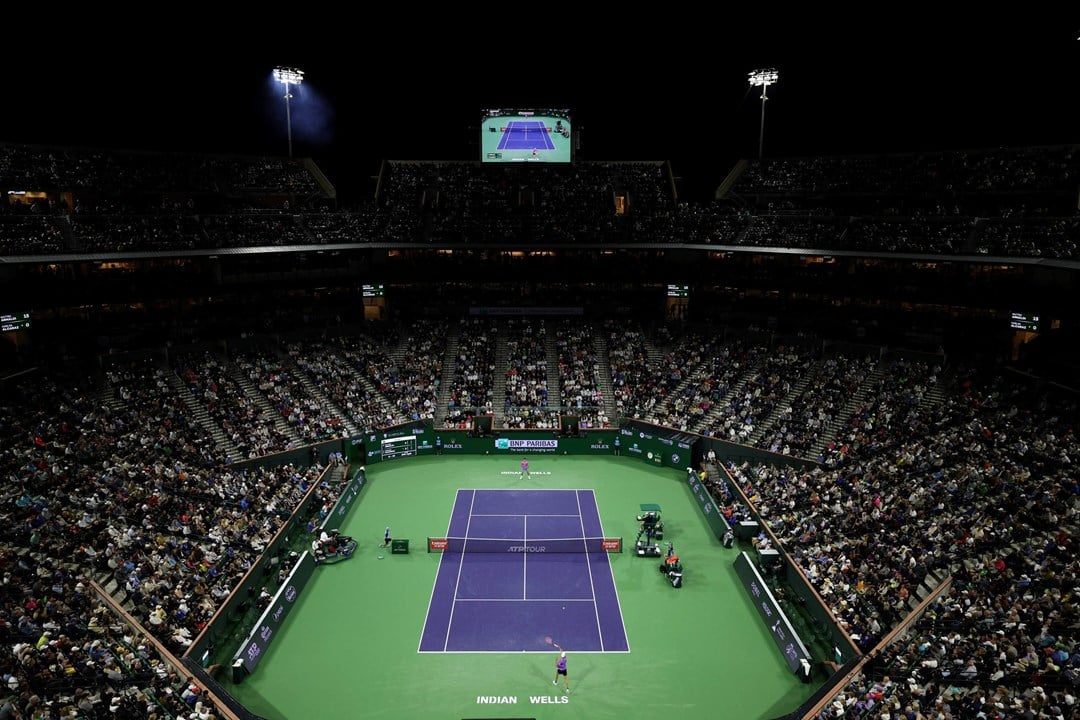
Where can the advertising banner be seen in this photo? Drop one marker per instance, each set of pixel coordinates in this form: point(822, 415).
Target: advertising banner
point(254, 647)
point(787, 640)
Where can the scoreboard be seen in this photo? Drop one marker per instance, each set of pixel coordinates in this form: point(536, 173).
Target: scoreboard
point(1024, 321)
point(373, 290)
point(398, 447)
point(14, 322)
point(678, 290)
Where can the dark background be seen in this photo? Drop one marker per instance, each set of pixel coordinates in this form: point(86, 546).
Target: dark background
point(403, 83)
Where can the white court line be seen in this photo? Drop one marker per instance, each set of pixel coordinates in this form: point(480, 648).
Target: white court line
point(532, 490)
point(611, 573)
point(461, 561)
point(554, 600)
point(525, 560)
point(524, 515)
point(592, 586)
point(435, 584)
point(461, 564)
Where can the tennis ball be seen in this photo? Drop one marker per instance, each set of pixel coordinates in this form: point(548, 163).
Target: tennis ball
point(563, 607)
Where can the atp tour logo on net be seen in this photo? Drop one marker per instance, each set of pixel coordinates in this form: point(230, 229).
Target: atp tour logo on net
point(508, 444)
point(527, 548)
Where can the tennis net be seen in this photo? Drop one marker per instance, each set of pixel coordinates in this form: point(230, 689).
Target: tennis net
point(531, 545)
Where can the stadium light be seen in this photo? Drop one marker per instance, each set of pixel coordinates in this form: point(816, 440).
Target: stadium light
point(763, 78)
point(288, 76)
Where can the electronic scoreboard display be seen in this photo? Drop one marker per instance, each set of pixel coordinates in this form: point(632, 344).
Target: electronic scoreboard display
point(509, 135)
point(373, 290)
point(1024, 321)
point(678, 291)
point(398, 447)
point(14, 322)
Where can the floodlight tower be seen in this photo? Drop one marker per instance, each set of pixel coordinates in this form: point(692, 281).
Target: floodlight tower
point(763, 78)
point(288, 76)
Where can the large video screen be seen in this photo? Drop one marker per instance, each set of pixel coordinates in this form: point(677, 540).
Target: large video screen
point(526, 136)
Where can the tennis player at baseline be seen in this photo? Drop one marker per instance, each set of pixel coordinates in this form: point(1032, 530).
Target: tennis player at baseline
point(560, 669)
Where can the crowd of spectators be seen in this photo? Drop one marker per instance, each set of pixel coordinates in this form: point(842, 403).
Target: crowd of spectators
point(946, 203)
point(979, 488)
point(581, 389)
point(111, 483)
point(766, 384)
point(412, 381)
point(526, 374)
point(66, 169)
point(28, 235)
point(963, 175)
point(680, 368)
point(635, 379)
point(337, 368)
point(282, 387)
point(721, 365)
point(810, 416)
point(245, 423)
point(153, 414)
point(472, 389)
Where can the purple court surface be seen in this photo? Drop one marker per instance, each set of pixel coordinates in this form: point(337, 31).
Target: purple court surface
point(516, 594)
point(525, 136)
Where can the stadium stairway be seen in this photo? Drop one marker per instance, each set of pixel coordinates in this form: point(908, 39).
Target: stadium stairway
point(720, 407)
point(841, 419)
point(446, 381)
point(654, 354)
point(324, 400)
point(397, 353)
point(603, 365)
point(200, 415)
point(106, 397)
point(797, 391)
point(390, 413)
point(498, 381)
point(259, 399)
point(553, 372)
point(935, 394)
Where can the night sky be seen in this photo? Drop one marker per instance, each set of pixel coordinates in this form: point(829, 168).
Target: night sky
point(668, 88)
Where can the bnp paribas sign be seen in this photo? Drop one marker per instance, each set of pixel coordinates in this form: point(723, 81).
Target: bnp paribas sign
point(537, 445)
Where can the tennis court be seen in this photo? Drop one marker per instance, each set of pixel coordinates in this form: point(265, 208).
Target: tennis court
point(350, 646)
point(520, 567)
point(525, 135)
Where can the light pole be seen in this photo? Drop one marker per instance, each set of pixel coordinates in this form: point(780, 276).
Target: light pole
point(288, 76)
point(764, 78)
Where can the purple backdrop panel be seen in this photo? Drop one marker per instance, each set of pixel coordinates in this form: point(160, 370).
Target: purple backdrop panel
point(509, 626)
point(492, 576)
point(525, 502)
point(557, 576)
point(437, 624)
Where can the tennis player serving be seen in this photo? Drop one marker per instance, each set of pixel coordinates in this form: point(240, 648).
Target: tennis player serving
point(560, 669)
